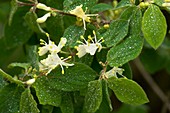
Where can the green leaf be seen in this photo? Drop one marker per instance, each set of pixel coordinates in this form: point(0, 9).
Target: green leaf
point(123, 3)
point(14, 7)
point(31, 18)
point(55, 27)
point(126, 51)
point(128, 91)
point(45, 93)
point(66, 104)
point(131, 47)
point(106, 101)
point(75, 78)
point(100, 7)
point(158, 2)
point(93, 97)
point(32, 56)
point(71, 4)
point(134, 16)
point(72, 34)
point(18, 32)
point(117, 31)
point(154, 26)
point(10, 98)
point(21, 65)
point(27, 103)
point(2, 82)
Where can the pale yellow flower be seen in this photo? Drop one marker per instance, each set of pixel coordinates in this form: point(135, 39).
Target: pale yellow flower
point(78, 11)
point(113, 72)
point(52, 61)
point(51, 47)
point(89, 46)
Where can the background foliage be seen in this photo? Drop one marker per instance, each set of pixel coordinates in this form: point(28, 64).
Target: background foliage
point(136, 40)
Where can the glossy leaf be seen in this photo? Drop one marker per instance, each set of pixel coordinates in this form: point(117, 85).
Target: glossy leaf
point(66, 104)
point(75, 78)
point(93, 97)
point(46, 94)
point(72, 34)
point(106, 101)
point(27, 103)
point(21, 65)
point(10, 98)
point(128, 91)
point(31, 18)
point(154, 26)
point(126, 51)
point(131, 47)
point(117, 31)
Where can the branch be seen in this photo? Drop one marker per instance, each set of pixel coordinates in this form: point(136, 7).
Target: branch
point(152, 83)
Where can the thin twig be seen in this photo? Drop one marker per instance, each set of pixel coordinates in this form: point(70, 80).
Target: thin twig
point(152, 83)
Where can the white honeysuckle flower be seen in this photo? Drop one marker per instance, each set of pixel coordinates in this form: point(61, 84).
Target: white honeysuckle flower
point(52, 61)
point(43, 6)
point(113, 72)
point(78, 11)
point(51, 47)
point(89, 46)
point(43, 18)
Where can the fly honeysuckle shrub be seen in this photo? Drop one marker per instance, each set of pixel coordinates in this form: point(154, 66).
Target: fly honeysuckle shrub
point(53, 78)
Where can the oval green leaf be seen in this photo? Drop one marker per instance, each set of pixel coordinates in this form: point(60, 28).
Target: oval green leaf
point(10, 98)
point(75, 78)
point(117, 31)
point(46, 94)
point(126, 51)
point(154, 26)
point(128, 91)
point(27, 103)
point(93, 97)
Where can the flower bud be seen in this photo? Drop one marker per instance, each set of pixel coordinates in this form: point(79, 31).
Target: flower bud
point(43, 18)
point(43, 6)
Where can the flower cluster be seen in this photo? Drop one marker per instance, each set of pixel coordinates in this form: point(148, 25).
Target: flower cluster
point(53, 59)
point(89, 46)
point(78, 11)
